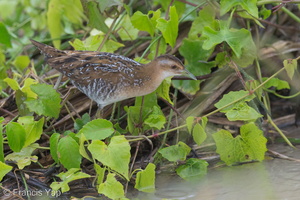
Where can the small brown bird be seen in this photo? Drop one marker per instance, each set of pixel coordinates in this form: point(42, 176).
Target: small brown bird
point(107, 78)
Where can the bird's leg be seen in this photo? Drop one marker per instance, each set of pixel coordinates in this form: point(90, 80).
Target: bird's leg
point(113, 112)
point(58, 81)
point(99, 113)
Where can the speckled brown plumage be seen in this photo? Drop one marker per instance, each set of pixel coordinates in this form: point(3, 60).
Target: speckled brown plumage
point(107, 78)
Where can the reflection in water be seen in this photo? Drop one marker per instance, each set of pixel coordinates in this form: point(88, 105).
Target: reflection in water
point(273, 179)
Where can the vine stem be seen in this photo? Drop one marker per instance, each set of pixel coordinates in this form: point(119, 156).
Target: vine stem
point(219, 109)
point(260, 3)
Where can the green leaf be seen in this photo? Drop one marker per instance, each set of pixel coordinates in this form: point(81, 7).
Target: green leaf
point(134, 117)
point(239, 110)
point(104, 4)
point(156, 119)
point(26, 88)
point(80, 122)
point(8, 9)
point(195, 62)
point(12, 83)
point(100, 171)
point(248, 146)
point(190, 123)
point(54, 15)
point(68, 151)
point(277, 83)
point(206, 17)
point(33, 129)
point(83, 148)
point(4, 169)
point(22, 94)
point(193, 169)
point(163, 90)
point(249, 53)
point(199, 134)
point(169, 29)
point(180, 6)
point(111, 188)
point(116, 155)
point(16, 136)
point(73, 11)
point(4, 35)
point(66, 177)
point(176, 152)
point(145, 179)
point(237, 39)
point(290, 66)
point(23, 158)
point(47, 102)
point(54, 146)
point(242, 112)
point(249, 5)
point(158, 48)
point(97, 129)
point(127, 30)
point(92, 43)
point(233, 96)
point(21, 62)
point(144, 22)
point(190, 49)
point(264, 12)
point(96, 19)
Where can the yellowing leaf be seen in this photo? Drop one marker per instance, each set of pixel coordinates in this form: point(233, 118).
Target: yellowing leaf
point(21, 62)
point(12, 83)
point(66, 177)
point(97, 129)
point(4, 169)
point(199, 134)
point(33, 129)
point(24, 157)
point(190, 123)
point(249, 146)
point(111, 188)
point(116, 155)
point(145, 179)
point(92, 43)
point(290, 67)
point(127, 30)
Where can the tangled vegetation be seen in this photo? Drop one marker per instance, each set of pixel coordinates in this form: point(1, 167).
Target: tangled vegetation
point(244, 55)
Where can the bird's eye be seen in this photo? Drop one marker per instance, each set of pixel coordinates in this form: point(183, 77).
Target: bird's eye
point(174, 67)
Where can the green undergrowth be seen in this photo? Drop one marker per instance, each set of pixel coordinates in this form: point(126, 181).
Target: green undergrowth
point(214, 41)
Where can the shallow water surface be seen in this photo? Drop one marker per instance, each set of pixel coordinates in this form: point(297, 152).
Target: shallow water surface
point(272, 179)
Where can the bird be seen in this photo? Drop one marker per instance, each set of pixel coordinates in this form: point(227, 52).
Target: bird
point(107, 78)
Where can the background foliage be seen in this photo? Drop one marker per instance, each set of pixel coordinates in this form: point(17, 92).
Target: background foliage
point(212, 37)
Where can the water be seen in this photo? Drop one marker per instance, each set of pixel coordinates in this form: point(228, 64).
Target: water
point(272, 179)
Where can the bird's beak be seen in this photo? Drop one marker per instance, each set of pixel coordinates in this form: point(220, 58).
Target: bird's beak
point(189, 74)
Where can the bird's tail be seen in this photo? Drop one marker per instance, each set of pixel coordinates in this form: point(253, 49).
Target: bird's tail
point(48, 51)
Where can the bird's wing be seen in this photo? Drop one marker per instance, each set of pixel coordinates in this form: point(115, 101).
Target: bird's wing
point(84, 66)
